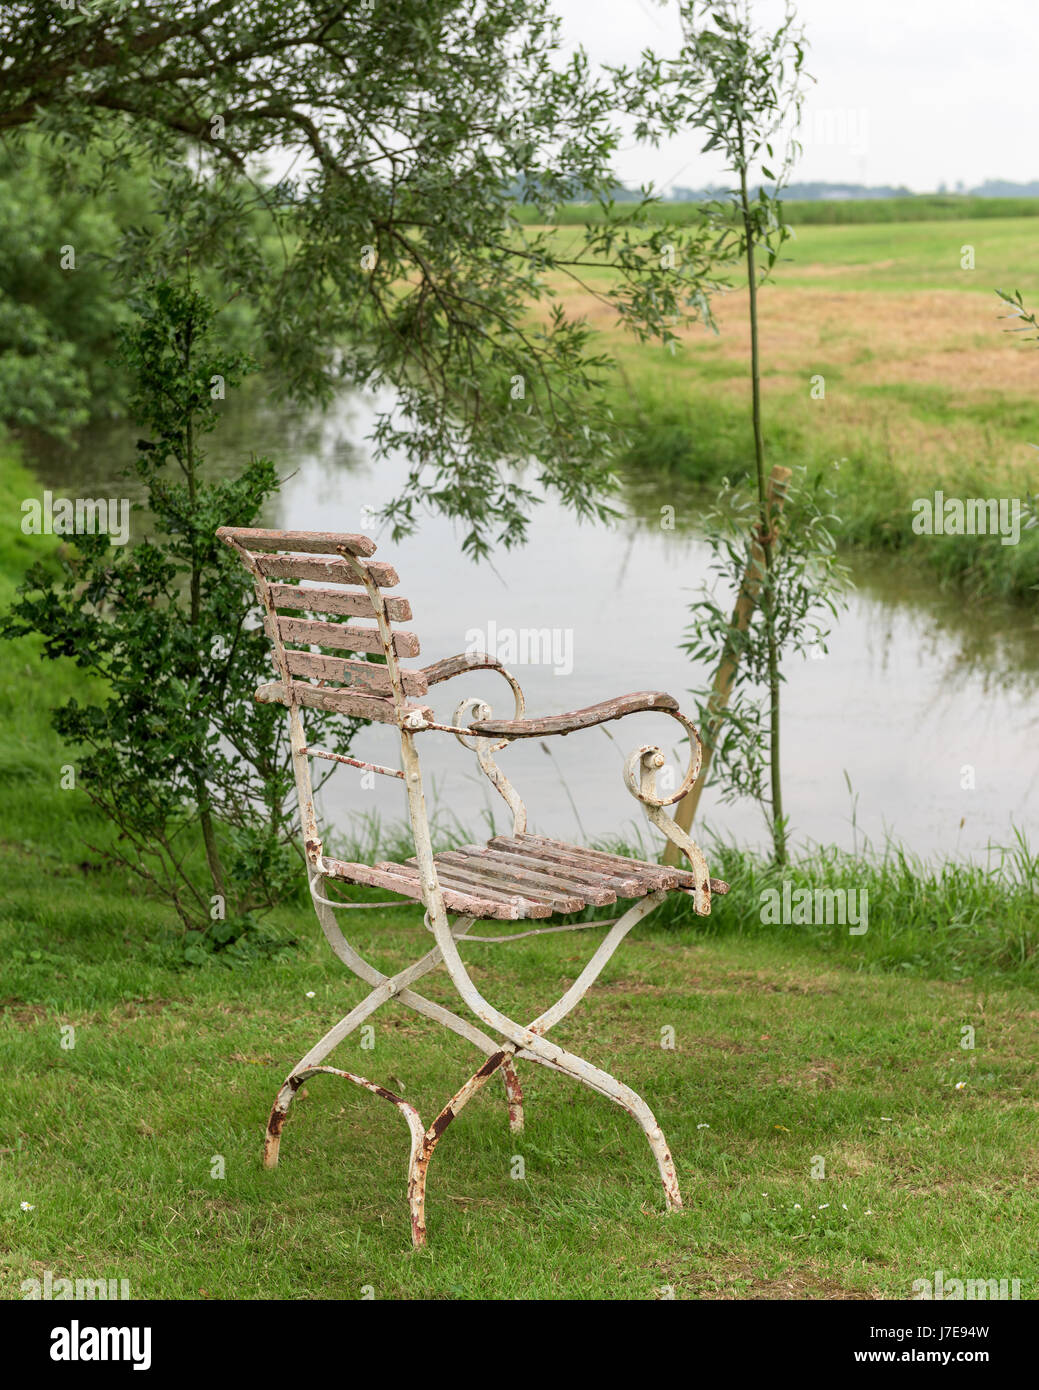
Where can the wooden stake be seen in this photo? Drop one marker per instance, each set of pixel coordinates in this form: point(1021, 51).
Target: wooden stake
point(725, 676)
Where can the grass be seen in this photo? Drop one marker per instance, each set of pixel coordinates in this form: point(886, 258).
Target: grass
point(779, 1059)
point(792, 1046)
point(885, 362)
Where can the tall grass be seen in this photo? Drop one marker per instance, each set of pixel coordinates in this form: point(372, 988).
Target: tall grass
point(704, 438)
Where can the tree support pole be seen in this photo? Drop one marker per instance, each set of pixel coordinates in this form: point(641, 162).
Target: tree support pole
point(725, 676)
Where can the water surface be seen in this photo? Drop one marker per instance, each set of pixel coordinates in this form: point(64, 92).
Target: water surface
point(921, 692)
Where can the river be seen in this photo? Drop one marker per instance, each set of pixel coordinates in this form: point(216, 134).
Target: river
point(920, 695)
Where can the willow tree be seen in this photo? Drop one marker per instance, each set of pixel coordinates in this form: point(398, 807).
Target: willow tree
point(350, 173)
point(384, 146)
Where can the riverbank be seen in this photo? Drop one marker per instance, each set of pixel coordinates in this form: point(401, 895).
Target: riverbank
point(943, 917)
point(887, 366)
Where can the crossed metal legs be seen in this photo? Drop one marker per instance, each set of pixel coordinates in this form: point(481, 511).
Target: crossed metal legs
point(526, 1043)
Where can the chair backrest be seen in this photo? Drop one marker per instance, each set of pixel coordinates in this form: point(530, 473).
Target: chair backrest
point(331, 576)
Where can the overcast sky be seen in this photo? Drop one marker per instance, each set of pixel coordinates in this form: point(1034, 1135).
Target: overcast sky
point(914, 92)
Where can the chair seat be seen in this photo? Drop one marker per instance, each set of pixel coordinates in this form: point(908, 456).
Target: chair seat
point(515, 877)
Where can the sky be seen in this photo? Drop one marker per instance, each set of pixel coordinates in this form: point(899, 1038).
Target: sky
point(913, 92)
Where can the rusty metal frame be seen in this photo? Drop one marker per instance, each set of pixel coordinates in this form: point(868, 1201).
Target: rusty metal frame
point(508, 1041)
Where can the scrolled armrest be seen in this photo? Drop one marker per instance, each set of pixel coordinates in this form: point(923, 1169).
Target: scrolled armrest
point(641, 768)
point(579, 718)
point(464, 663)
point(458, 665)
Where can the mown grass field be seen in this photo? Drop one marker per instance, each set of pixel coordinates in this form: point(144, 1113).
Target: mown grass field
point(925, 386)
point(792, 1046)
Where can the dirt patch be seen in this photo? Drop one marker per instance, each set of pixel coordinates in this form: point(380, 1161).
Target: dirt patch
point(759, 982)
point(820, 1076)
point(728, 1045)
point(737, 1279)
point(946, 338)
point(817, 270)
point(144, 1008)
point(18, 1011)
point(632, 987)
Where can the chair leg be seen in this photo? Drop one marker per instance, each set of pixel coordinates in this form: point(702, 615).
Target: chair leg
point(513, 1095)
point(630, 1101)
point(397, 986)
point(421, 1156)
point(411, 1115)
point(530, 1046)
point(306, 1065)
point(386, 988)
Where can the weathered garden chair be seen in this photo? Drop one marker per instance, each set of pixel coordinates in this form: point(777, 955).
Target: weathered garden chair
point(512, 877)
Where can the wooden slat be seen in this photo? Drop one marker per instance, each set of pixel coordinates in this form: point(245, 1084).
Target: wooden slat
point(496, 876)
point(398, 610)
point(509, 906)
point(522, 871)
point(393, 878)
point(345, 635)
point(657, 874)
point(506, 907)
point(450, 876)
point(626, 884)
point(364, 676)
point(661, 873)
point(309, 542)
point(483, 901)
point(330, 569)
point(380, 711)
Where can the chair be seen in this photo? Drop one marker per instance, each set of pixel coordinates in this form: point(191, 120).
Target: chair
point(514, 878)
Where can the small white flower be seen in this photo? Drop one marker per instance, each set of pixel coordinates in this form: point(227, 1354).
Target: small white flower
point(868, 1212)
point(824, 1206)
point(886, 1117)
point(27, 1206)
point(310, 994)
point(703, 1126)
point(960, 1085)
point(797, 1206)
point(844, 1206)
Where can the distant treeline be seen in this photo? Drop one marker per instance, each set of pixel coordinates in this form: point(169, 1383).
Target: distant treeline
point(921, 207)
point(799, 191)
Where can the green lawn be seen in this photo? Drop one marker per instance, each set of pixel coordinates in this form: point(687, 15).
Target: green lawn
point(796, 1050)
point(782, 1058)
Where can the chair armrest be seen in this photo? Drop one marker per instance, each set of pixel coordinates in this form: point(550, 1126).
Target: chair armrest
point(577, 719)
point(475, 661)
point(456, 665)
